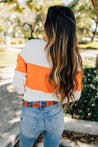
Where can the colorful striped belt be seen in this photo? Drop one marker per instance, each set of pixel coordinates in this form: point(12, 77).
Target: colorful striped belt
point(37, 104)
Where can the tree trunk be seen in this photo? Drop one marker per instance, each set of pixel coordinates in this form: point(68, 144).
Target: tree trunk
point(94, 33)
point(95, 4)
point(31, 37)
point(97, 61)
point(31, 34)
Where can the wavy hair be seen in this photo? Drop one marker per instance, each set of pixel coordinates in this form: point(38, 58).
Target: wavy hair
point(62, 51)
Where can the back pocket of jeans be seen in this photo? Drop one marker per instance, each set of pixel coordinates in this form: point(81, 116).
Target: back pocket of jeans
point(29, 122)
point(57, 121)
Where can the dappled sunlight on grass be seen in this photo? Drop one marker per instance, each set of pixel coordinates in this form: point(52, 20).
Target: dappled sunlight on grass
point(7, 58)
point(88, 62)
point(90, 45)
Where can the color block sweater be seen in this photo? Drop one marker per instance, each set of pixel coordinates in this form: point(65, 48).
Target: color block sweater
point(31, 74)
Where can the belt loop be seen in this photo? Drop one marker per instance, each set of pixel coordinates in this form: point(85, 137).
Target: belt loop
point(40, 105)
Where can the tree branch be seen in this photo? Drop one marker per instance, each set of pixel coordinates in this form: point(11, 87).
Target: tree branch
point(5, 1)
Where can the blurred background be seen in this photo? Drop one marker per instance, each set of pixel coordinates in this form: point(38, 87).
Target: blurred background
point(22, 20)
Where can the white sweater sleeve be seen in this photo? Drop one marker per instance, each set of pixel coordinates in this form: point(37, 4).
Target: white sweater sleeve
point(19, 80)
point(20, 72)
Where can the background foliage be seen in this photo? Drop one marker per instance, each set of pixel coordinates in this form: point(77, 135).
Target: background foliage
point(86, 107)
point(14, 17)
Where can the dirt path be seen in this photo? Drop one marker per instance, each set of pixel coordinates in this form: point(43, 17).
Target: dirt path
point(10, 103)
point(88, 53)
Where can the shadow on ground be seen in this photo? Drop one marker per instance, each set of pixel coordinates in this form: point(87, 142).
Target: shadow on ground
point(10, 109)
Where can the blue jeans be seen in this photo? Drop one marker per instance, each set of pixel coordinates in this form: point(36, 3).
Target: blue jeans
point(33, 121)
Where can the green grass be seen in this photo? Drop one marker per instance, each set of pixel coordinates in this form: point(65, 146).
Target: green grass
point(88, 45)
point(7, 58)
point(13, 40)
point(88, 62)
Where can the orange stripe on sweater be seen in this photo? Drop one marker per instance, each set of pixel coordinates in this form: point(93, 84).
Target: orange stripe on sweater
point(21, 65)
point(37, 78)
point(78, 81)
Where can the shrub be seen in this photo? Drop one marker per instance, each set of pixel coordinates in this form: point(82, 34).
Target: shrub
point(86, 107)
point(88, 45)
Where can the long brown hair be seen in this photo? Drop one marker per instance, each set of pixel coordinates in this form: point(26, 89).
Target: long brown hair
point(62, 51)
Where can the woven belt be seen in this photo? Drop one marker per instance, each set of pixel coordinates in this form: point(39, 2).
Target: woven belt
point(37, 104)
